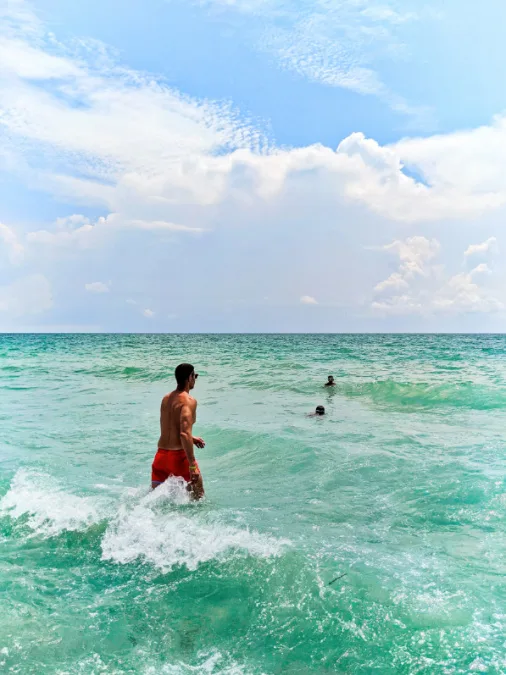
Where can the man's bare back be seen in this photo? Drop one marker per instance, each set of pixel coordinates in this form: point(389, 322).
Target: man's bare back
point(175, 456)
point(170, 418)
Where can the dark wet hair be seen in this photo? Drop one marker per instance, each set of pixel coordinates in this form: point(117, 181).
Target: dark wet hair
point(320, 410)
point(330, 377)
point(183, 372)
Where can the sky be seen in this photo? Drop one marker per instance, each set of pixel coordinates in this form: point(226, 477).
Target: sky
point(252, 166)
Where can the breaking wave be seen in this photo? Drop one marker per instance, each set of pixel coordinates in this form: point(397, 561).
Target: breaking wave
point(161, 528)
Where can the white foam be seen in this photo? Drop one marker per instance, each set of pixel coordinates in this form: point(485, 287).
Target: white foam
point(209, 664)
point(50, 510)
point(91, 664)
point(160, 527)
point(167, 539)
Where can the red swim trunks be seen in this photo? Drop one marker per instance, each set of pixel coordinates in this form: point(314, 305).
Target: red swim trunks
point(169, 463)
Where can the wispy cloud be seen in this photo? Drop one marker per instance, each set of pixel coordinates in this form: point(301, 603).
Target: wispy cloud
point(87, 125)
point(338, 44)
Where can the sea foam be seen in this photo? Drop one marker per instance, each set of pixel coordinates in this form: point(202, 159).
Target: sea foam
point(48, 509)
point(143, 531)
point(162, 528)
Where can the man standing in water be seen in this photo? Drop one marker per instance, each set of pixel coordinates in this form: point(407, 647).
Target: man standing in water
point(175, 455)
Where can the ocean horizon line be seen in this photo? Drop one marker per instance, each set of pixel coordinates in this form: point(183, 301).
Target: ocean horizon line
point(229, 333)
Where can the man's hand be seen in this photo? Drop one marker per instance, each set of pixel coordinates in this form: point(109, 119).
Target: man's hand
point(199, 442)
point(196, 485)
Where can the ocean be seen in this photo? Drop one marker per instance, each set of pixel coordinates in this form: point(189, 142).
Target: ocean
point(400, 487)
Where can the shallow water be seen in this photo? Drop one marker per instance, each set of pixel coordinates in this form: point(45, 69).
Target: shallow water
point(401, 487)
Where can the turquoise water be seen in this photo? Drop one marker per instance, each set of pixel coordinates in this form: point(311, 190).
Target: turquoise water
point(401, 487)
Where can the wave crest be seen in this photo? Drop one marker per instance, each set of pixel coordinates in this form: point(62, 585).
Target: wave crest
point(426, 394)
point(45, 507)
point(161, 528)
point(167, 540)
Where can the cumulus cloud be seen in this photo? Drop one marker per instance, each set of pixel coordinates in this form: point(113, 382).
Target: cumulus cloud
point(161, 165)
point(462, 294)
point(153, 175)
point(479, 249)
point(97, 287)
point(413, 253)
point(308, 300)
point(421, 287)
point(482, 268)
point(148, 313)
point(26, 296)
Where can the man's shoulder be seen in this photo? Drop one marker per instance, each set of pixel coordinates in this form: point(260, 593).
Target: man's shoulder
point(173, 398)
point(186, 399)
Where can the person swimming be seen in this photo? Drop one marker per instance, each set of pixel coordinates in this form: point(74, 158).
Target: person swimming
point(320, 410)
point(330, 381)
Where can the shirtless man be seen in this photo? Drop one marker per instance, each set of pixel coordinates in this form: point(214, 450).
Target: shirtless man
point(175, 455)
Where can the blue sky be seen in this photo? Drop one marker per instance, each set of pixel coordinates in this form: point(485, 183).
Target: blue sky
point(252, 165)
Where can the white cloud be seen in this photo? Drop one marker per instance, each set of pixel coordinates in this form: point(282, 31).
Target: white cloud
point(29, 295)
point(85, 129)
point(308, 300)
point(414, 254)
point(163, 165)
point(148, 313)
point(462, 294)
point(153, 159)
point(78, 231)
point(162, 225)
point(467, 162)
point(482, 268)
point(476, 249)
point(18, 58)
point(420, 287)
point(311, 50)
point(395, 281)
point(336, 44)
point(15, 250)
point(75, 230)
point(97, 287)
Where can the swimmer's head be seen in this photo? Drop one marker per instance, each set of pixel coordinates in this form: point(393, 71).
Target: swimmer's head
point(330, 379)
point(320, 410)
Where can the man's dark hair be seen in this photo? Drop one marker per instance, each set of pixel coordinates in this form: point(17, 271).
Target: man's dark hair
point(182, 373)
point(320, 410)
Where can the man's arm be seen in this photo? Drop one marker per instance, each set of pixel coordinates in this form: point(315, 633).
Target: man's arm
point(196, 486)
point(185, 431)
point(199, 442)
